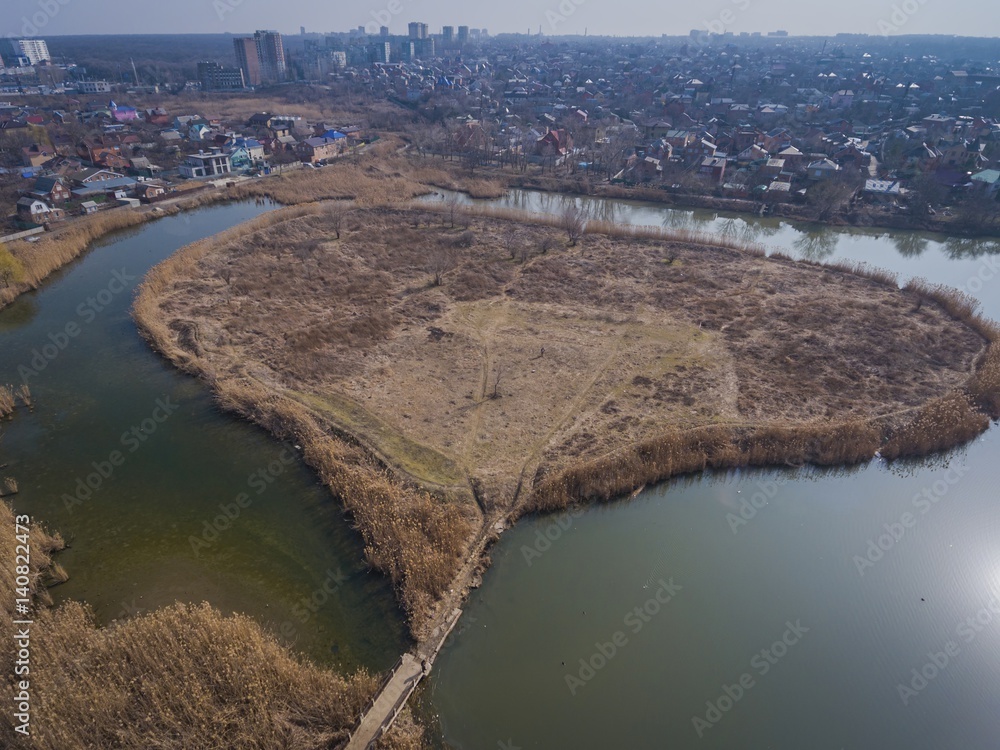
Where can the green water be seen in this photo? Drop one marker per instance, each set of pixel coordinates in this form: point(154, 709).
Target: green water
point(749, 560)
point(740, 578)
point(201, 507)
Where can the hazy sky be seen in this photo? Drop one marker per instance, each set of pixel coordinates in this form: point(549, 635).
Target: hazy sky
point(621, 17)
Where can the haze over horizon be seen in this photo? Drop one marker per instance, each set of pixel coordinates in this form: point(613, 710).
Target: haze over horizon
point(554, 17)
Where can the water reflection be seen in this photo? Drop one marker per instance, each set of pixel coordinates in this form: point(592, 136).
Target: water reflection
point(816, 245)
point(970, 247)
point(910, 244)
point(19, 313)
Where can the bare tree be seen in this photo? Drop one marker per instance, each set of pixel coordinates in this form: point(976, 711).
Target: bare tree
point(499, 370)
point(441, 260)
point(452, 202)
point(573, 221)
point(336, 216)
point(510, 240)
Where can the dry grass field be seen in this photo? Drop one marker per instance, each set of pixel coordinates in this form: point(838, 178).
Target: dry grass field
point(475, 368)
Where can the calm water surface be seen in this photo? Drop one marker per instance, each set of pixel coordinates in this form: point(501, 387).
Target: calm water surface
point(775, 609)
point(169, 523)
point(780, 610)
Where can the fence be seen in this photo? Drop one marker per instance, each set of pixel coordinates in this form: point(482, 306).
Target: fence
point(22, 235)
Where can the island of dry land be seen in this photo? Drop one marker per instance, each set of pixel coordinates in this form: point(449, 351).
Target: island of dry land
point(448, 373)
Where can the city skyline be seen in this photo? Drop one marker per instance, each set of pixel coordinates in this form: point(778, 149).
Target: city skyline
point(564, 17)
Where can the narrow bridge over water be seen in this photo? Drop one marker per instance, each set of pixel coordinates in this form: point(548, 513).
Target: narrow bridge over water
point(398, 686)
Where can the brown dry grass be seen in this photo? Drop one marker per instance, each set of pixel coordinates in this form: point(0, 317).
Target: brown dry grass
point(7, 401)
point(380, 175)
point(180, 677)
point(660, 357)
point(377, 176)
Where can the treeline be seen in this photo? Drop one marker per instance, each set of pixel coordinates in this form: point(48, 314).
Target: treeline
point(159, 58)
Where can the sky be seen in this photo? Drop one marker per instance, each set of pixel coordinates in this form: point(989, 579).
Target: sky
point(615, 17)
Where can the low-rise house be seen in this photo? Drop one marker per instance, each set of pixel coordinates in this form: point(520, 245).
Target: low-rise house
point(253, 148)
point(751, 154)
point(777, 139)
point(554, 143)
point(714, 168)
point(140, 165)
point(964, 155)
point(988, 180)
point(94, 175)
point(794, 159)
point(821, 169)
point(922, 158)
point(89, 207)
point(884, 191)
point(779, 190)
point(206, 164)
point(51, 189)
point(649, 168)
point(842, 99)
point(32, 210)
point(773, 167)
point(150, 191)
point(36, 155)
point(312, 150)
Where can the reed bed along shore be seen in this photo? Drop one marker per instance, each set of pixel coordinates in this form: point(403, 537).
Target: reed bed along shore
point(374, 177)
point(35, 261)
point(7, 401)
point(183, 676)
point(371, 178)
point(716, 356)
point(412, 536)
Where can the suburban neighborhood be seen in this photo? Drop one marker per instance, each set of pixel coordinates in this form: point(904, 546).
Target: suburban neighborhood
point(825, 124)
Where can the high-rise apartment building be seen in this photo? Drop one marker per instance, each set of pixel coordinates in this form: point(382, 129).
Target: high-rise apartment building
point(261, 57)
point(418, 30)
point(463, 34)
point(23, 52)
point(246, 59)
point(270, 55)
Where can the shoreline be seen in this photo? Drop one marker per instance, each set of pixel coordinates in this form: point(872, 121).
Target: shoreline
point(582, 186)
point(57, 249)
point(943, 423)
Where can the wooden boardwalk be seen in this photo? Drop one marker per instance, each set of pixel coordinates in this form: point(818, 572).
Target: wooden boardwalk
point(398, 687)
point(388, 702)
